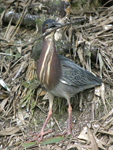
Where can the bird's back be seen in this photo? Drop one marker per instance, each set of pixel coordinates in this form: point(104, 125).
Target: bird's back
point(74, 75)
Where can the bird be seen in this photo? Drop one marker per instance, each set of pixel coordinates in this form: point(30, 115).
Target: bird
point(59, 75)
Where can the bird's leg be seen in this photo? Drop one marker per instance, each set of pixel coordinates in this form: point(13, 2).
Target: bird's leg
point(42, 133)
point(69, 118)
point(68, 131)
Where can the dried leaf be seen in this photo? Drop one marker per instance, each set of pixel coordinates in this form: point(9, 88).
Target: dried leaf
point(106, 132)
point(103, 96)
point(100, 63)
point(19, 49)
point(20, 116)
point(92, 139)
point(110, 148)
point(80, 54)
point(3, 103)
point(9, 131)
point(100, 143)
point(98, 90)
point(83, 135)
point(9, 32)
point(4, 85)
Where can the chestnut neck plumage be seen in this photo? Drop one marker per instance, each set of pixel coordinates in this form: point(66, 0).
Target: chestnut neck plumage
point(49, 68)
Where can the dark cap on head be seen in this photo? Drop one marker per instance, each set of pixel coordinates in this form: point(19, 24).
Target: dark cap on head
point(49, 23)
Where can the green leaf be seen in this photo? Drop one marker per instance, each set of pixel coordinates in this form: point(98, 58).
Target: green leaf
point(52, 140)
point(31, 84)
point(29, 144)
point(18, 55)
point(67, 137)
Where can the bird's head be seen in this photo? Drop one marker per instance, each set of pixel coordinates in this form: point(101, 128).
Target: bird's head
point(49, 24)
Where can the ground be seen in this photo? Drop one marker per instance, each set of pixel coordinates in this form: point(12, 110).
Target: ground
point(23, 105)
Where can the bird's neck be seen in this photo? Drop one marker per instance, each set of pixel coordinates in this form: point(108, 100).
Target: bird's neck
point(49, 68)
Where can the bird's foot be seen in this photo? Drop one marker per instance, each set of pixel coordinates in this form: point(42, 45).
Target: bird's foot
point(67, 134)
point(39, 135)
point(67, 131)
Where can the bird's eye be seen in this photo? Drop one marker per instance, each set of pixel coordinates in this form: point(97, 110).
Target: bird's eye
point(46, 25)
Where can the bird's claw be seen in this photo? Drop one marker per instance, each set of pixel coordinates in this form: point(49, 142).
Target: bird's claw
point(39, 135)
point(65, 132)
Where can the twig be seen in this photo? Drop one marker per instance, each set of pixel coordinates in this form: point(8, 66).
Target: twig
point(44, 34)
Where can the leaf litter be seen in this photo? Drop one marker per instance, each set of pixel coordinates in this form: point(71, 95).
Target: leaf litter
point(22, 109)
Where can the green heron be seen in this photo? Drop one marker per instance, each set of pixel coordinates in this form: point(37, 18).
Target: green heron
point(60, 76)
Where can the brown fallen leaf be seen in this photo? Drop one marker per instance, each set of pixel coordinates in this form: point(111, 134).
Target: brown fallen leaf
point(3, 103)
point(92, 139)
point(9, 131)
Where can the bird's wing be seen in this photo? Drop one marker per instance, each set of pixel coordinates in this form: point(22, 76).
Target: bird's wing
point(72, 74)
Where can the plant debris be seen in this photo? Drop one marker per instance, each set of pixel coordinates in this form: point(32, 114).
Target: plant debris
point(87, 35)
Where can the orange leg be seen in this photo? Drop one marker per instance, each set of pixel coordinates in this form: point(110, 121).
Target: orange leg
point(42, 133)
point(68, 131)
point(69, 118)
